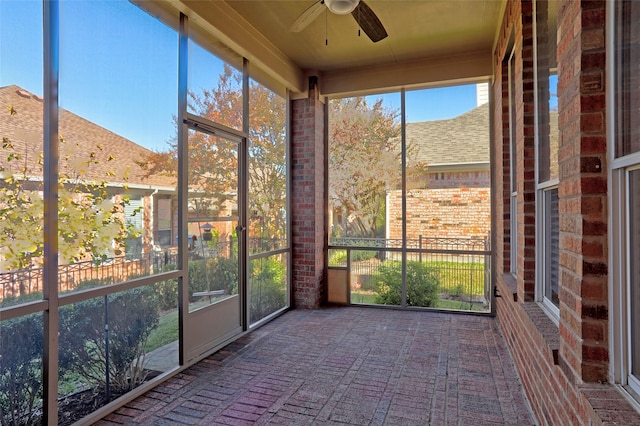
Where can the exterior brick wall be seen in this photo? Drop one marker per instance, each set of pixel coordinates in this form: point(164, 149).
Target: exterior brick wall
point(560, 366)
point(583, 191)
point(441, 213)
point(307, 200)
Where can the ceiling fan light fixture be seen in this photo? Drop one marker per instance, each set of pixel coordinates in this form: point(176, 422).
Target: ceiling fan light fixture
point(341, 7)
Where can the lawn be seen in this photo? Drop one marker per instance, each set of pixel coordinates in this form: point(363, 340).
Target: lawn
point(165, 332)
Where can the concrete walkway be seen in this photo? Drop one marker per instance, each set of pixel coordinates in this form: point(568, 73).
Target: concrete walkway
point(358, 366)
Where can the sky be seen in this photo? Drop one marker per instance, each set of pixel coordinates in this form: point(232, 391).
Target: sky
point(119, 68)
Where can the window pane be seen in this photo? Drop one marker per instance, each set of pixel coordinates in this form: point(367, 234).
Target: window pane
point(627, 77)
point(634, 267)
point(547, 82)
point(552, 246)
point(267, 170)
point(212, 219)
point(109, 346)
point(118, 97)
point(448, 204)
point(214, 88)
point(21, 351)
point(267, 286)
point(513, 114)
point(21, 153)
point(513, 166)
point(364, 163)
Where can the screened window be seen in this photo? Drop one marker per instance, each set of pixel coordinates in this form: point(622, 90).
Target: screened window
point(547, 154)
point(634, 271)
point(628, 78)
point(118, 96)
point(409, 197)
point(625, 196)
point(551, 243)
point(267, 202)
point(513, 167)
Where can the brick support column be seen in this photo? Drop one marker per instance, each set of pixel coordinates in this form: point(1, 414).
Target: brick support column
point(308, 200)
point(584, 349)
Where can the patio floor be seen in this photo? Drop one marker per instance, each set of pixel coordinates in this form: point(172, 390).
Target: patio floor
point(347, 365)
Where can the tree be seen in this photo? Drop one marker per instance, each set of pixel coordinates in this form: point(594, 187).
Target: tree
point(213, 162)
point(364, 161)
point(89, 220)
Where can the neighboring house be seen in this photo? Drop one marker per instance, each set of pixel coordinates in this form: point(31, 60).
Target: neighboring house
point(152, 196)
point(448, 179)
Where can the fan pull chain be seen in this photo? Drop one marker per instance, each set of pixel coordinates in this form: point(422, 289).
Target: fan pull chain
point(326, 24)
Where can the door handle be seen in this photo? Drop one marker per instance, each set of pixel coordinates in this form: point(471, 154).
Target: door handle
point(241, 228)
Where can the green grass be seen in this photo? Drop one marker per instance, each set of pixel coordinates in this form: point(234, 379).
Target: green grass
point(369, 298)
point(165, 332)
point(460, 277)
point(363, 297)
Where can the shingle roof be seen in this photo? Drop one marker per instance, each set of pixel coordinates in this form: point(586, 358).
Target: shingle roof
point(462, 139)
point(81, 137)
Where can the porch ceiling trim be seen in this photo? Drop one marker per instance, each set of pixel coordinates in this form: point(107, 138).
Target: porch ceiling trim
point(221, 27)
point(427, 72)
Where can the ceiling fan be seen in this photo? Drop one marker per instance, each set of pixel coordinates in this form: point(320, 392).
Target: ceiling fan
point(364, 16)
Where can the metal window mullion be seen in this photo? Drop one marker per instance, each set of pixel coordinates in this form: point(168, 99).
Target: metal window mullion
point(50, 176)
point(183, 187)
point(243, 193)
point(403, 150)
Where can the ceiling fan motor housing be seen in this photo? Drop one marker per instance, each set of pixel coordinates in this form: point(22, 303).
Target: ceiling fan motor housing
point(341, 7)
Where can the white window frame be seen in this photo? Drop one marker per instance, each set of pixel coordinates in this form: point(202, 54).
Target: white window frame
point(542, 257)
point(633, 381)
point(543, 263)
point(619, 241)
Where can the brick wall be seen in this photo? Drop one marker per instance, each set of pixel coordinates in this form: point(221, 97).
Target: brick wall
point(307, 200)
point(583, 191)
point(559, 365)
point(441, 213)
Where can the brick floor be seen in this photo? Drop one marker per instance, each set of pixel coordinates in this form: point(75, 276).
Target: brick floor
point(357, 366)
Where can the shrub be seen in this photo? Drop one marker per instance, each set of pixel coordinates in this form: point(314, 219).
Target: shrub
point(132, 315)
point(167, 291)
point(339, 256)
point(20, 369)
point(217, 273)
point(224, 274)
point(422, 284)
point(267, 288)
point(25, 298)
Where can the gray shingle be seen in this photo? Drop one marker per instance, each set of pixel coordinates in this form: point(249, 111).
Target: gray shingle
point(25, 132)
point(462, 139)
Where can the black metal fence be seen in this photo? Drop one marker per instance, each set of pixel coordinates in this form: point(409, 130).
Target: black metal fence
point(461, 265)
point(121, 268)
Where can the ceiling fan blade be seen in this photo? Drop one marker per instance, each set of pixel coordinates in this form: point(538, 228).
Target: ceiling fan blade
point(307, 16)
point(369, 22)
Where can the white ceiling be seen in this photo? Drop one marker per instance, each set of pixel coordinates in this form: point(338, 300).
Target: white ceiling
point(429, 40)
point(417, 29)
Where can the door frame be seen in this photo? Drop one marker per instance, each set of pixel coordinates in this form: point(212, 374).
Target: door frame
point(207, 329)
